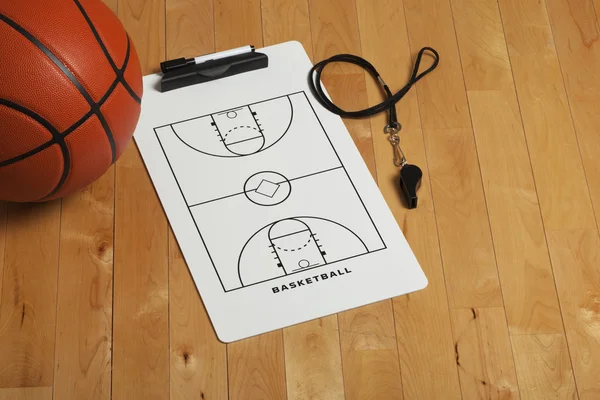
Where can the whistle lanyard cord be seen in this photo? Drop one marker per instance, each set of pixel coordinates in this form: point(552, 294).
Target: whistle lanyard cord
point(388, 104)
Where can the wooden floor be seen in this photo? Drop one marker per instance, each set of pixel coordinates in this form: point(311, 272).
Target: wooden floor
point(97, 300)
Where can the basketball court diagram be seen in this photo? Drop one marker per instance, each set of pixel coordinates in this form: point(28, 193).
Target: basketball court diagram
point(266, 191)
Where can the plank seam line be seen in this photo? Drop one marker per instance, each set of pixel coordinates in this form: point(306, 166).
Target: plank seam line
point(485, 195)
point(535, 184)
point(568, 97)
point(547, 15)
point(58, 258)
point(437, 230)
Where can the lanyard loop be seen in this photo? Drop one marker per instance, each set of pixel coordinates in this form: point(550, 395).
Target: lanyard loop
point(388, 104)
point(410, 175)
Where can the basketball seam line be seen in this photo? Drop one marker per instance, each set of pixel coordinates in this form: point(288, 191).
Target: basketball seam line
point(120, 73)
point(94, 106)
point(69, 130)
point(86, 117)
point(103, 100)
point(57, 138)
point(64, 134)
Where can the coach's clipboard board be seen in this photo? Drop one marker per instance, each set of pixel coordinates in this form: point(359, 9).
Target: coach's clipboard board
point(274, 209)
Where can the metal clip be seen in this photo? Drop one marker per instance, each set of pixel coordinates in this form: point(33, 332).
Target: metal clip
point(394, 139)
point(392, 128)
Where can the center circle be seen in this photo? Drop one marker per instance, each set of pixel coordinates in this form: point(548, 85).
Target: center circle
point(267, 188)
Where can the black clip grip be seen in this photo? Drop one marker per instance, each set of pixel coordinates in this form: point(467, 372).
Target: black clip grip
point(180, 74)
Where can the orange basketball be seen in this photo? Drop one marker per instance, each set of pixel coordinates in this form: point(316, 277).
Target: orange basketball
point(70, 95)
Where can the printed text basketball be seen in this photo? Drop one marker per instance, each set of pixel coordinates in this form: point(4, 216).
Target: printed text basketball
point(70, 95)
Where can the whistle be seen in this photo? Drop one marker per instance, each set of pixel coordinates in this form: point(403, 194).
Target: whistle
point(410, 182)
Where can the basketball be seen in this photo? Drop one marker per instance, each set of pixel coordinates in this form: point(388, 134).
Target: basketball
point(70, 96)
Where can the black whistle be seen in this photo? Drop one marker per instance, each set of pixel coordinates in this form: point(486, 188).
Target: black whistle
point(410, 182)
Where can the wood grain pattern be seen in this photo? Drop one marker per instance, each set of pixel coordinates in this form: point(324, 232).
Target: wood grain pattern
point(576, 259)
point(28, 302)
point(140, 332)
point(140, 324)
point(237, 23)
point(3, 208)
point(38, 393)
point(571, 231)
point(144, 20)
point(334, 28)
point(190, 29)
point(469, 263)
point(543, 367)
point(285, 20)
point(113, 4)
point(576, 34)
point(422, 322)
point(313, 360)
point(370, 353)
point(519, 241)
point(198, 360)
point(84, 305)
point(560, 179)
point(257, 368)
point(483, 354)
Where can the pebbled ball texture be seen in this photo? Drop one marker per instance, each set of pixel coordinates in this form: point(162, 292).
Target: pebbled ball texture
point(70, 95)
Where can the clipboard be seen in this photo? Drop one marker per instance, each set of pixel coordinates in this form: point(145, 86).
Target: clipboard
point(275, 211)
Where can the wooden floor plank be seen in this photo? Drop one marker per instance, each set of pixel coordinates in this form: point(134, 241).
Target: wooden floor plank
point(38, 393)
point(3, 207)
point(256, 367)
point(140, 322)
point(285, 20)
point(84, 312)
point(237, 23)
point(576, 35)
point(562, 188)
point(422, 321)
point(469, 263)
point(543, 367)
point(198, 361)
point(517, 229)
point(28, 302)
point(369, 353)
point(483, 354)
point(576, 260)
point(189, 28)
point(313, 360)
point(140, 314)
point(547, 119)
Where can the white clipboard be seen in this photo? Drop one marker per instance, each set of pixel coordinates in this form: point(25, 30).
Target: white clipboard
point(275, 211)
